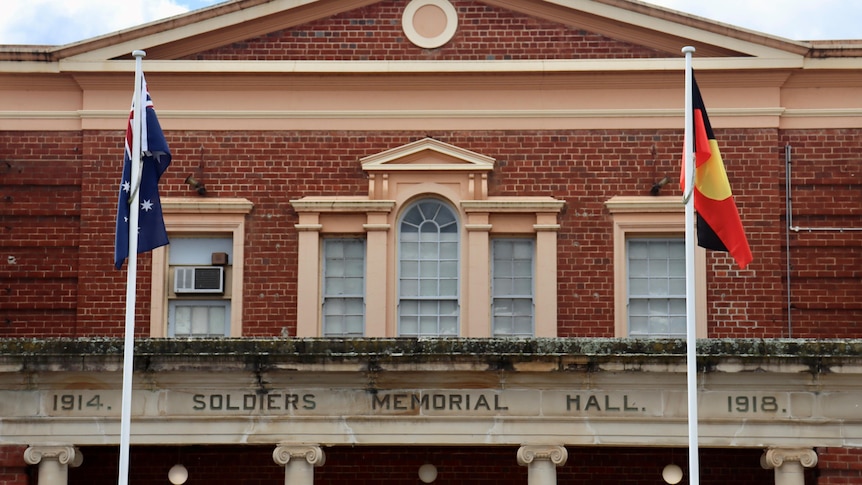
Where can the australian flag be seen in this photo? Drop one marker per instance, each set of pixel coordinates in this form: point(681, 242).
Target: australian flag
point(155, 158)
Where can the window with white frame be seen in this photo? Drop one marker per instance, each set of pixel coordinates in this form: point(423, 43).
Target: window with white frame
point(649, 268)
point(428, 270)
point(187, 220)
point(428, 223)
point(343, 287)
point(512, 287)
point(656, 287)
point(199, 298)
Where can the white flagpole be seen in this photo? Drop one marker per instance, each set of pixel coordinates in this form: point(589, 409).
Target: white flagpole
point(691, 334)
point(132, 277)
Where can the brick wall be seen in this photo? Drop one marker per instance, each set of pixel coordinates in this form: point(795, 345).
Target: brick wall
point(839, 466)
point(826, 265)
point(13, 469)
point(61, 280)
point(376, 465)
point(484, 33)
point(40, 223)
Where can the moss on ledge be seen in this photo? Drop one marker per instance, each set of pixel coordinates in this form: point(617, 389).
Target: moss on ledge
point(432, 349)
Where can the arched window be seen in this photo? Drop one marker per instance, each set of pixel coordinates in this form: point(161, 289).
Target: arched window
point(428, 255)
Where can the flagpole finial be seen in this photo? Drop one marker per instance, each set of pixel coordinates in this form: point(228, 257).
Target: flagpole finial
point(688, 49)
point(139, 53)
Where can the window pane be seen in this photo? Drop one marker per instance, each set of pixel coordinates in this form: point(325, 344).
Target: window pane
point(343, 286)
point(217, 321)
point(354, 325)
point(677, 326)
point(658, 287)
point(183, 320)
point(522, 286)
point(639, 326)
point(676, 286)
point(502, 286)
point(197, 251)
point(354, 286)
point(638, 307)
point(448, 269)
point(409, 288)
point(428, 269)
point(409, 269)
point(656, 280)
point(333, 286)
point(523, 326)
point(449, 326)
point(639, 286)
point(198, 318)
point(448, 287)
point(449, 250)
point(429, 288)
point(512, 270)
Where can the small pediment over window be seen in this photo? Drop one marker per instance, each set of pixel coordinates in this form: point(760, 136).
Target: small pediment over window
point(427, 154)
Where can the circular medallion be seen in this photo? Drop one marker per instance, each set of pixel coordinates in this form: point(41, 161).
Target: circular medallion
point(429, 23)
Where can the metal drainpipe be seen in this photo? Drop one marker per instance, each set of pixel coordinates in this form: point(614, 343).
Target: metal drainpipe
point(789, 209)
point(791, 227)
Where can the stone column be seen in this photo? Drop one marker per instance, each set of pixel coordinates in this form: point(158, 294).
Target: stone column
point(788, 464)
point(542, 462)
point(299, 461)
point(54, 462)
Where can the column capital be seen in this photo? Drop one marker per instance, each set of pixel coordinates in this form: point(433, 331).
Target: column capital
point(776, 457)
point(556, 454)
point(65, 454)
point(285, 452)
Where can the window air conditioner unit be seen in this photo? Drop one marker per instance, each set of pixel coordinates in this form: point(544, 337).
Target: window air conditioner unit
point(199, 279)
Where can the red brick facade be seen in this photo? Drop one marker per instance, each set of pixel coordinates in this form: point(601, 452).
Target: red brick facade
point(58, 196)
point(59, 209)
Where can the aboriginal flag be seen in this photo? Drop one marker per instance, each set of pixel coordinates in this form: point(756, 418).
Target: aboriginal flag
point(718, 224)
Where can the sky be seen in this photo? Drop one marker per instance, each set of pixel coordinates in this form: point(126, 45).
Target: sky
point(58, 22)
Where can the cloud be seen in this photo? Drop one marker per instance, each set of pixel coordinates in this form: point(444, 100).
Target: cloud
point(56, 22)
point(792, 19)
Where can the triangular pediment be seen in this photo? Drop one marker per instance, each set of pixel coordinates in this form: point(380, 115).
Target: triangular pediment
point(427, 154)
point(299, 30)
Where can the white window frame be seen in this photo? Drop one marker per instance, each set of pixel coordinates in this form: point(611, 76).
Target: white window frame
point(197, 217)
point(651, 299)
point(174, 303)
point(659, 216)
point(326, 297)
point(426, 168)
point(497, 295)
point(420, 300)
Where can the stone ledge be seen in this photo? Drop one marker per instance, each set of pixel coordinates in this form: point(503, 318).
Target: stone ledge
point(495, 354)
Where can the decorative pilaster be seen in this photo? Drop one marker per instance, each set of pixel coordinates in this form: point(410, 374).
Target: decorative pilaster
point(54, 462)
point(376, 272)
point(789, 464)
point(299, 461)
point(478, 229)
point(542, 462)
